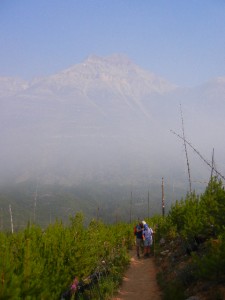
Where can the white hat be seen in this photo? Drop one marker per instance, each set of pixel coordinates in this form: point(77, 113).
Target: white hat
point(143, 222)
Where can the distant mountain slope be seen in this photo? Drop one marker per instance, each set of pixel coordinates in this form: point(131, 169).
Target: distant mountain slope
point(11, 86)
point(105, 119)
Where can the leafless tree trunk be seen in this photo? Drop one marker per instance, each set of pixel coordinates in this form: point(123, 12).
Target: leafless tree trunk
point(35, 200)
point(212, 169)
point(185, 149)
point(163, 200)
point(11, 217)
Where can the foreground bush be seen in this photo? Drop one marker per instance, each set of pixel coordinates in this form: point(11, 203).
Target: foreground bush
point(191, 254)
point(38, 264)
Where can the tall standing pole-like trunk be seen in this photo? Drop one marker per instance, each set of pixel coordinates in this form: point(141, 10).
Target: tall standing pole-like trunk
point(11, 217)
point(130, 207)
point(212, 169)
point(163, 200)
point(185, 149)
point(35, 200)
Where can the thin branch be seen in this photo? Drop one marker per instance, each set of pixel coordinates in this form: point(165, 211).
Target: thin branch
point(199, 154)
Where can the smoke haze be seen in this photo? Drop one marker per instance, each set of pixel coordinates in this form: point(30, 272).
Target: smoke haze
point(107, 121)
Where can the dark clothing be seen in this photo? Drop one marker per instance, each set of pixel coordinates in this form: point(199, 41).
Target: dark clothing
point(139, 239)
point(138, 232)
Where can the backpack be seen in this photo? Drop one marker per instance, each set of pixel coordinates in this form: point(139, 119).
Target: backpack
point(135, 230)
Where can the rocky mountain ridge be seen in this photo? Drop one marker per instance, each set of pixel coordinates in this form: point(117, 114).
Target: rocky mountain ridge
point(114, 71)
point(104, 118)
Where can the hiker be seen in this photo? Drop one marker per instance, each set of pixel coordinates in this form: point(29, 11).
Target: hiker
point(139, 241)
point(147, 235)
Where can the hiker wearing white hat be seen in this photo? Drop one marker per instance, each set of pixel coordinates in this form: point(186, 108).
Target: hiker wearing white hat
point(147, 236)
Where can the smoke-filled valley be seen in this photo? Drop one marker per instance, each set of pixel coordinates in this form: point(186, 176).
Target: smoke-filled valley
point(96, 137)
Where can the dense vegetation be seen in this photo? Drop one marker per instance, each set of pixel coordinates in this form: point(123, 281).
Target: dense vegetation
point(191, 246)
point(37, 264)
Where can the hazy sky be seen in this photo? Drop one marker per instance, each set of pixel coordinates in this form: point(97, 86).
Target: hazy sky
point(181, 40)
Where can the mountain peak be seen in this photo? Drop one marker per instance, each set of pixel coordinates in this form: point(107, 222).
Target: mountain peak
point(116, 59)
point(115, 73)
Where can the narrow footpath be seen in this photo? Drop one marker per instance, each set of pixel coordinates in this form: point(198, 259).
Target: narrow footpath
point(139, 282)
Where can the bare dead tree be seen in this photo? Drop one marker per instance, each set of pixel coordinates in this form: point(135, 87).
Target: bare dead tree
point(163, 200)
point(185, 149)
point(11, 217)
point(199, 154)
point(35, 199)
point(212, 169)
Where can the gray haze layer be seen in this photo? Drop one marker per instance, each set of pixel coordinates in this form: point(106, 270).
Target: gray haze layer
point(108, 121)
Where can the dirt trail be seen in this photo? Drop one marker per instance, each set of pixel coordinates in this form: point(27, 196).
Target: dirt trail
point(139, 282)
